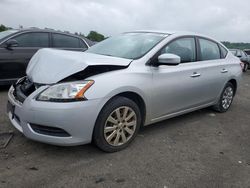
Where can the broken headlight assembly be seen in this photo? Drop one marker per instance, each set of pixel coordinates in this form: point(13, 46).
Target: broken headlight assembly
point(65, 92)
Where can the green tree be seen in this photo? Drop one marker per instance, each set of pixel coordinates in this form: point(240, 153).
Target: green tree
point(95, 36)
point(3, 28)
point(236, 45)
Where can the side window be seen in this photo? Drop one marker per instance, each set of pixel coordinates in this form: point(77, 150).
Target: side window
point(64, 41)
point(223, 52)
point(238, 54)
point(247, 52)
point(183, 47)
point(33, 40)
point(82, 44)
point(243, 54)
point(209, 50)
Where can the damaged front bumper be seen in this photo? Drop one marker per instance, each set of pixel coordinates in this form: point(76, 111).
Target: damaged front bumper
point(58, 123)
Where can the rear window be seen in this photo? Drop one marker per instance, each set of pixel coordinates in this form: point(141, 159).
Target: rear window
point(64, 41)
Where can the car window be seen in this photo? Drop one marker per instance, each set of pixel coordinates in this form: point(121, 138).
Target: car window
point(239, 53)
point(223, 52)
point(64, 41)
point(82, 44)
point(33, 40)
point(127, 45)
point(183, 47)
point(209, 50)
point(245, 54)
point(233, 52)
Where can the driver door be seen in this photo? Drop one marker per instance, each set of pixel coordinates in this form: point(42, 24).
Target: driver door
point(177, 88)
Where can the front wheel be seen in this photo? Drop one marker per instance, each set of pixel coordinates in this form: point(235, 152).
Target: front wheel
point(117, 124)
point(226, 98)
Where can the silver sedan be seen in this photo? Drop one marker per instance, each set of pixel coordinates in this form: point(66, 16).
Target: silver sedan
point(108, 92)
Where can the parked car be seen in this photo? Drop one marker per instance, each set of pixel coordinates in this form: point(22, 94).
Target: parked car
point(243, 57)
point(108, 92)
point(18, 46)
point(247, 51)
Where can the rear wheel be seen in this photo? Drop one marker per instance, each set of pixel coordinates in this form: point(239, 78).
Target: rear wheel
point(117, 124)
point(226, 98)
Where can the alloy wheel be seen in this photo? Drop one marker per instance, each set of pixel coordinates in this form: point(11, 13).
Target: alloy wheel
point(227, 97)
point(120, 126)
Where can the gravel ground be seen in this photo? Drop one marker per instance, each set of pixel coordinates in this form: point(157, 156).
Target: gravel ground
point(200, 149)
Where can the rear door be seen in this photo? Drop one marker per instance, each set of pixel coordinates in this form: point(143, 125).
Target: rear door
point(213, 69)
point(15, 60)
point(66, 42)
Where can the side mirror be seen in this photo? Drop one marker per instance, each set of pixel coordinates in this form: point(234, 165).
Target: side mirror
point(11, 43)
point(169, 59)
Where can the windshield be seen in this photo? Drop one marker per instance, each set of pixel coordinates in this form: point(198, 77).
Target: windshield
point(6, 33)
point(127, 45)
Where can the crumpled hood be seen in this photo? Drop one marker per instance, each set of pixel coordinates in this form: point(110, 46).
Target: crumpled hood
point(49, 66)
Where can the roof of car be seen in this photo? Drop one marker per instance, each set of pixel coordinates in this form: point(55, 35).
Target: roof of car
point(89, 42)
point(167, 32)
point(179, 33)
point(152, 31)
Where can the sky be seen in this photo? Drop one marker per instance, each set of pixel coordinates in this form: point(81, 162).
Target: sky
point(224, 20)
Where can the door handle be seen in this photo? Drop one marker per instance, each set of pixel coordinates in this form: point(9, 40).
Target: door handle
point(224, 71)
point(195, 74)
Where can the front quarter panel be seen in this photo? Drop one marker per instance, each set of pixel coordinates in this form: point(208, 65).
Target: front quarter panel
point(136, 79)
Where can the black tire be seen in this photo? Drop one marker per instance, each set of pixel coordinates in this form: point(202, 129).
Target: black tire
point(219, 106)
point(246, 66)
point(108, 109)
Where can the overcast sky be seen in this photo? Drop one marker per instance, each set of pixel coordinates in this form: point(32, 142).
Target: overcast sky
point(226, 20)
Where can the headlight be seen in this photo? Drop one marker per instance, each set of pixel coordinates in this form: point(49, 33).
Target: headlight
point(72, 91)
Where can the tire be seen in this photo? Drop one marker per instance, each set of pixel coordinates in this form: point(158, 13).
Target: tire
point(226, 98)
point(245, 67)
point(120, 131)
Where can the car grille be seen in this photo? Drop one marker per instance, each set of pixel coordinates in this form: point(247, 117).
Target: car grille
point(50, 131)
point(23, 88)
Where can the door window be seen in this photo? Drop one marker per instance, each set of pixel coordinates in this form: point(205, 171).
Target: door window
point(33, 40)
point(64, 41)
point(183, 47)
point(209, 50)
point(82, 44)
point(223, 52)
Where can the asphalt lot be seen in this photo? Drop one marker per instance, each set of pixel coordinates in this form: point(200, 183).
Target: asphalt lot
point(200, 149)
